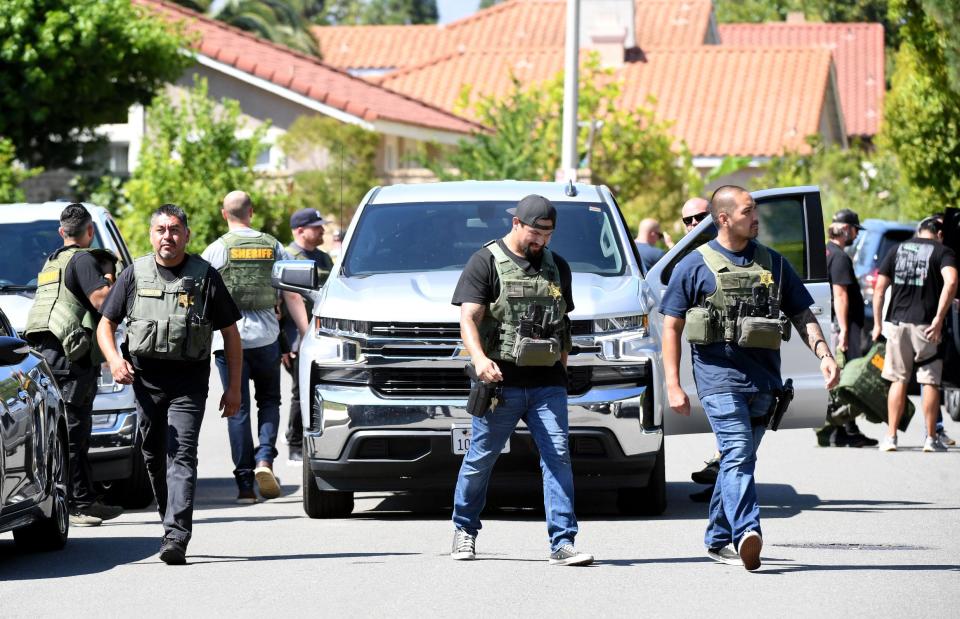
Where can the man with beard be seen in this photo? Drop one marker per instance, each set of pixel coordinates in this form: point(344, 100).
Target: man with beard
point(847, 313)
point(736, 357)
point(504, 284)
point(173, 302)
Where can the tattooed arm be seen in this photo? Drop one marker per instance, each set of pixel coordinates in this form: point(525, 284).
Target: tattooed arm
point(809, 329)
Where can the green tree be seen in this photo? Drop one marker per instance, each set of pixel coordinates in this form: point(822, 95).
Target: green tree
point(286, 22)
point(193, 156)
point(342, 158)
point(68, 66)
point(922, 109)
point(486, 4)
point(12, 173)
point(865, 180)
point(631, 151)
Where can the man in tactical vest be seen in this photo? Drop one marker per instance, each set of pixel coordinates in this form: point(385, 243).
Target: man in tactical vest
point(173, 302)
point(846, 311)
point(307, 228)
point(70, 290)
point(734, 296)
point(245, 259)
point(514, 295)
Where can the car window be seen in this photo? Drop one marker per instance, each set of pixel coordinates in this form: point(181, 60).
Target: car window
point(24, 247)
point(782, 224)
point(889, 240)
point(416, 237)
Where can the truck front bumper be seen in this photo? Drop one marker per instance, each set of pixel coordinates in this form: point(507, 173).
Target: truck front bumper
point(368, 443)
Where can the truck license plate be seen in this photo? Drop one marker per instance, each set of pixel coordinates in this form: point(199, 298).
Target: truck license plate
point(460, 436)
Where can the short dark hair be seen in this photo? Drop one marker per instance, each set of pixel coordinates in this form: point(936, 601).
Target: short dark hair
point(74, 220)
point(724, 200)
point(932, 223)
point(170, 210)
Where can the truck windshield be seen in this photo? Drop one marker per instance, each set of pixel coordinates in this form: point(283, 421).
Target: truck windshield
point(24, 247)
point(441, 236)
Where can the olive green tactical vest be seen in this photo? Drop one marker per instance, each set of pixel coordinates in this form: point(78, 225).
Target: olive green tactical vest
point(715, 319)
point(518, 291)
point(298, 254)
point(167, 321)
point(247, 270)
point(59, 311)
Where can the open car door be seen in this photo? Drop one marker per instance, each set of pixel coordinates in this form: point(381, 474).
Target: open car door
point(791, 222)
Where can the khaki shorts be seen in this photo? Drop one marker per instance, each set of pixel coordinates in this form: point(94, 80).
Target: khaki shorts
point(906, 345)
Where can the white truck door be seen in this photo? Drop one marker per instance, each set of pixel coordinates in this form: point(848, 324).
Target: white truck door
point(791, 222)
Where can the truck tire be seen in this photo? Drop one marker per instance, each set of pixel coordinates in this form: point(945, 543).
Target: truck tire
point(650, 500)
point(51, 533)
point(324, 504)
point(134, 492)
point(952, 401)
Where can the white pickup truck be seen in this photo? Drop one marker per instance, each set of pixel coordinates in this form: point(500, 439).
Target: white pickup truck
point(383, 364)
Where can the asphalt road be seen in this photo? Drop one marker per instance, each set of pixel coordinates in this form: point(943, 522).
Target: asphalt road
point(848, 532)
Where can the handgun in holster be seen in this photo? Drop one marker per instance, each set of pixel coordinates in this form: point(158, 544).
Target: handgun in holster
point(484, 397)
point(782, 403)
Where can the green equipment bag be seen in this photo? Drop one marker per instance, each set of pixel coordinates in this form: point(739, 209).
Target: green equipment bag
point(863, 389)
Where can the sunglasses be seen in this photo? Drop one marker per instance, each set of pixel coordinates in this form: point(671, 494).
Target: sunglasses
point(687, 221)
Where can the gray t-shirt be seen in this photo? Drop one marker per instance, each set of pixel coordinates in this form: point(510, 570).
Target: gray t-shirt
point(257, 327)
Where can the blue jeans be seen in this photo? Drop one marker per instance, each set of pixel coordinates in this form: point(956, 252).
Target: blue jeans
point(262, 365)
point(544, 409)
point(734, 509)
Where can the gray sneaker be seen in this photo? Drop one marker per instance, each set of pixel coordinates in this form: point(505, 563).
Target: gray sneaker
point(725, 555)
point(567, 555)
point(933, 444)
point(464, 546)
point(946, 440)
point(79, 518)
point(889, 443)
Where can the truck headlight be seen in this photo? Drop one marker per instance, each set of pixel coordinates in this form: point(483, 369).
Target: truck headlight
point(334, 350)
point(638, 323)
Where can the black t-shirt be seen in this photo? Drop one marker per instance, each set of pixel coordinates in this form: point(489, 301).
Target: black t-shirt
point(914, 268)
point(166, 375)
point(479, 283)
point(83, 276)
point(840, 273)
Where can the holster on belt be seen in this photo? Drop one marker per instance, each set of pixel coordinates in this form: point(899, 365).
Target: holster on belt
point(783, 399)
point(484, 397)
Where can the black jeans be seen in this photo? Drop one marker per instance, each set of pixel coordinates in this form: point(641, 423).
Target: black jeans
point(78, 386)
point(294, 432)
point(170, 427)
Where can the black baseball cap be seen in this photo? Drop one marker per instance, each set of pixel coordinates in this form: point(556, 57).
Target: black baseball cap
point(846, 216)
point(306, 218)
point(532, 209)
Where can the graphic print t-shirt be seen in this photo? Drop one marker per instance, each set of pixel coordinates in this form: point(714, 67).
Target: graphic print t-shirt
point(914, 268)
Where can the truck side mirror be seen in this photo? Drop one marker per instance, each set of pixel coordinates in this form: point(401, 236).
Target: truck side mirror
point(295, 275)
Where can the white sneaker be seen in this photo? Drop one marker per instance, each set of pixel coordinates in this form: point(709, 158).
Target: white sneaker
point(568, 555)
point(932, 443)
point(464, 546)
point(725, 555)
point(946, 440)
point(750, 546)
point(889, 443)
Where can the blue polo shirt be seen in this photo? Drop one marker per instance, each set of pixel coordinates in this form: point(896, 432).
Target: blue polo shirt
point(722, 367)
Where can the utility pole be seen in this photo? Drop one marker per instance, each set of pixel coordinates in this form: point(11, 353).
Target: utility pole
point(571, 78)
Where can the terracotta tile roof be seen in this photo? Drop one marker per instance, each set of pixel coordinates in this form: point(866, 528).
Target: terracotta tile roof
point(514, 24)
point(858, 54)
point(377, 47)
point(760, 120)
point(304, 75)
